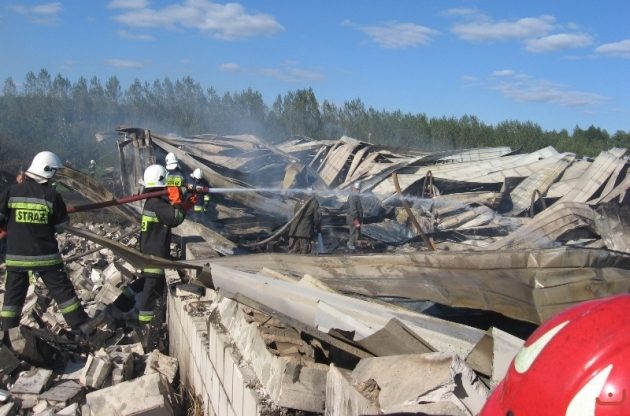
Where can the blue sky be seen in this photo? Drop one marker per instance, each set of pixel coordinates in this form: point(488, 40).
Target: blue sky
point(556, 63)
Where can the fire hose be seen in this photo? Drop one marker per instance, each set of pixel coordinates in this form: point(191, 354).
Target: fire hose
point(125, 200)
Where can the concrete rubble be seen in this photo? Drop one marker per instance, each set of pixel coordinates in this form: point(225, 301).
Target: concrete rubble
point(46, 373)
point(462, 254)
point(148, 395)
point(432, 383)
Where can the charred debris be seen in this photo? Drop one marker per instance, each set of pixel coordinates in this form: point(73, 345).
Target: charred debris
point(478, 245)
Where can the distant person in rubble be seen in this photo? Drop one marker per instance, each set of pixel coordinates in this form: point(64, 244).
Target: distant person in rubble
point(159, 215)
point(305, 225)
point(92, 168)
point(354, 216)
point(32, 211)
point(201, 202)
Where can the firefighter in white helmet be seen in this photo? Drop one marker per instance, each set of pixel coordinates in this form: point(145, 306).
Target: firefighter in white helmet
point(33, 211)
point(174, 179)
point(201, 204)
point(159, 215)
point(174, 176)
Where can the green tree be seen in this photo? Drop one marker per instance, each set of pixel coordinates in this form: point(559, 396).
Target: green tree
point(9, 89)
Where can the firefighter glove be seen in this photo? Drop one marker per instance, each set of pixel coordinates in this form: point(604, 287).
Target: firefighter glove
point(188, 203)
point(174, 195)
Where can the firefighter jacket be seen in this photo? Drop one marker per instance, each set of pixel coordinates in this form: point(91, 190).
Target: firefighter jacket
point(158, 217)
point(175, 177)
point(307, 223)
point(201, 205)
point(355, 209)
point(32, 213)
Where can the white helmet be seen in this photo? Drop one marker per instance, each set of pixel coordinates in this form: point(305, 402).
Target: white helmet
point(44, 166)
point(154, 176)
point(170, 161)
point(92, 162)
point(357, 185)
point(196, 174)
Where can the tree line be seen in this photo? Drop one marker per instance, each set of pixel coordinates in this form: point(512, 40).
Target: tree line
point(63, 116)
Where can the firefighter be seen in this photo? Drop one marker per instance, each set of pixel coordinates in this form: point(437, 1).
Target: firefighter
point(305, 226)
point(92, 168)
point(174, 176)
point(354, 216)
point(201, 204)
point(33, 211)
point(159, 215)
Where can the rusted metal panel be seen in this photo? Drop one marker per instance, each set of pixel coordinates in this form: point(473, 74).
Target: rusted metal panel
point(468, 155)
point(468, 217)
point(613, 224)
point(521, 196)
point(529, 285)
point(618, 193)
point(598, 173)
point(611, 185)
point(547, 226)
point(486, 171)
point(357, 160)
point(337, 159)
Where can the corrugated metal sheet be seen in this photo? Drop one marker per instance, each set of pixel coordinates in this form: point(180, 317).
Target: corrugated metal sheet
point(546, 227)
point(521, 196)
point(597, 174)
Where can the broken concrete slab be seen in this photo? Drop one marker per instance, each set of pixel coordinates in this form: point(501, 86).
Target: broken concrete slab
point(54, 320)
point(135, 348)
point(108, 294)
point(149, 395)
point(122, 364)
point(189, 289)
point(113, 275)
point(97, 371)
point(32, 381)
point(156, 362)
point(444, 384)
point(7, 409)
point(72, 410)
point(62, 392)
point(493, 354)
point(343, 399)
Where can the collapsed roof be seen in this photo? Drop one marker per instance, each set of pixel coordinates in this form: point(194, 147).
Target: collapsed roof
point(523, 234)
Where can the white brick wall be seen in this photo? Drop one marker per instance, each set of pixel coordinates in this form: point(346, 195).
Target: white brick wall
point(207, 365)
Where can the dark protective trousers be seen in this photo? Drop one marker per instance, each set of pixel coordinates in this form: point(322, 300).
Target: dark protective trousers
point(146, 291)
point(299, 245)
point(60, 288)
point(355, 232)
